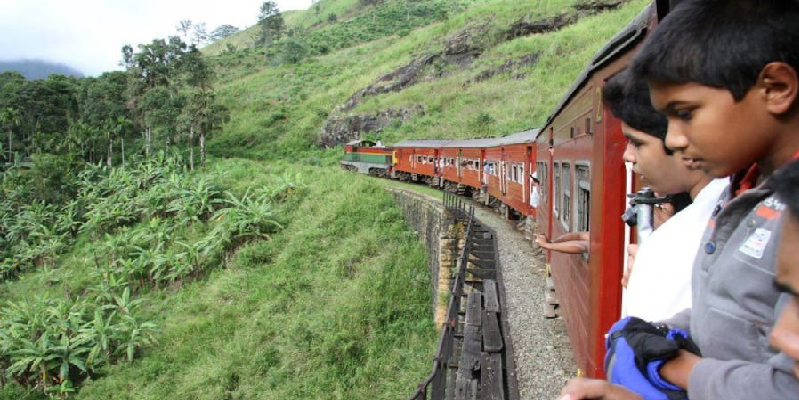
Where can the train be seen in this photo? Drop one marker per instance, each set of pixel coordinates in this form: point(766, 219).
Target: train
point(577, 157)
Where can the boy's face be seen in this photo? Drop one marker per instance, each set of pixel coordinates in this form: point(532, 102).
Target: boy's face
point(785, 335)
point(709, 130)
point(664, 173)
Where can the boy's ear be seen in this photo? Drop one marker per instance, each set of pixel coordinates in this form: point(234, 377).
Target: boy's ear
point(781, 86)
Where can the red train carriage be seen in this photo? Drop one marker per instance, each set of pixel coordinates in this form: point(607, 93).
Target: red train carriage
point(584, 187)
point(418, 160)
point(517, 154)
point(469, 156)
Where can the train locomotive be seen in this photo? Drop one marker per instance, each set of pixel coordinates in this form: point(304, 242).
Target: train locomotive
point(577, 157)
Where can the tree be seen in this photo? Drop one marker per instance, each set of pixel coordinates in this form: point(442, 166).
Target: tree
point(9, 118)
point(199, 36)
point(271, 22)
point(154, 86)
point(183, 28)
point(222, 32)
point(317, 7)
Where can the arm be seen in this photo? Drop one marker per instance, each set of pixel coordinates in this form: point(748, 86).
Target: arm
point(632, 250)
point(595, 389)
point(571, 237)
point(569, 247)
point(710, 379)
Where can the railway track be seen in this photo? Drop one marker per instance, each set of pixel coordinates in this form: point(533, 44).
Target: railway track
point(474, 359)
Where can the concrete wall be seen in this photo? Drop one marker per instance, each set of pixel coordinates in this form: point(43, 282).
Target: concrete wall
point(443, 241)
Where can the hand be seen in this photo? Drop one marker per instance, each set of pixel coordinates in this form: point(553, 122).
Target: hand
point(541, 239)
point(636, 350)
point(632, 250)
point(595, 389)
point(661, 213)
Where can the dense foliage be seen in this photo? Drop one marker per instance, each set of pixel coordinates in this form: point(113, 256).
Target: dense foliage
point(151, 226)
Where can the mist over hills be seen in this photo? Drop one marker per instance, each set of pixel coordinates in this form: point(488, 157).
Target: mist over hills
point(38, 69)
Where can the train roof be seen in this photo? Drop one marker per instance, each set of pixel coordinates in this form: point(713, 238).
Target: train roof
point(423, 143)
point(627, 37)
point(527, 136)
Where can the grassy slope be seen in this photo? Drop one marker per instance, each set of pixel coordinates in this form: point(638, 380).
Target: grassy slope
point(279, 111)
point(294, 317)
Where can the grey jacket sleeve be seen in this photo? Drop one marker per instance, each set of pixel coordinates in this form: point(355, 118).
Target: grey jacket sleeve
point(681, 320)
point(772, 379)
point(713, 379)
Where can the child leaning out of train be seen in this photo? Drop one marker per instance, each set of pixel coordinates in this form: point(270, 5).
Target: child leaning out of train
point(784, 335)
point(659, 285)
point(728, 115)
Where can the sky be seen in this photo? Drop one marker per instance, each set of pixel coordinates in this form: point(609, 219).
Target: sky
point(88, 35)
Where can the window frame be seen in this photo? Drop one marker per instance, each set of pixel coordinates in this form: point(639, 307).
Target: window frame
point(566, 194)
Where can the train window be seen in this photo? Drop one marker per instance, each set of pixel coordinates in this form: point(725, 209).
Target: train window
point(477, 165)
point(566, 194)
point(588, 126)
point(583, 198)
point(558, 183)
point(543, 179)
point(419, 159)
point(521, 173)
point(430, 159)
point(571, 133)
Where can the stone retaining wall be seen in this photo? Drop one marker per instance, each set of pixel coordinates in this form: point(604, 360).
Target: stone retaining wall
point(443, 242)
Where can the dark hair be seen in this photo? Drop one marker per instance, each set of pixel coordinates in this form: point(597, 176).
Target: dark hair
point(721, 43)
point(627, 97)
point(786, 186)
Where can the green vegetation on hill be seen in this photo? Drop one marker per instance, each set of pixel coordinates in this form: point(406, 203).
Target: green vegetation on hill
point(289, 312)
point(278, 111)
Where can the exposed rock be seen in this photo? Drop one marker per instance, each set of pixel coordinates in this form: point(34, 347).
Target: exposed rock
point(460, 49)
point(507, 66)
point(523, 27)
point(345, 129)
point(466, 41)
point(392, 82)
point(598, 5)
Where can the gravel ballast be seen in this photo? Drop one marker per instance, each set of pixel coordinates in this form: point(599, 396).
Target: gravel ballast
point(542, 353)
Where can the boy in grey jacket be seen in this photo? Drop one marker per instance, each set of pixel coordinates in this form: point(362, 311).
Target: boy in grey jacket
point(725, 74)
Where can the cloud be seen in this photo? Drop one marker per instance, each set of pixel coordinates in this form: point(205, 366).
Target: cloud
point(89, 34)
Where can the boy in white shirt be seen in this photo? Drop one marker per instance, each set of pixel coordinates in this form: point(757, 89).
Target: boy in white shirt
point(659, 285)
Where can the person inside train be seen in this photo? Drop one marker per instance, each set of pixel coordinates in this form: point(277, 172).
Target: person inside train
point(535, 190)
point(727, 116)
point(658, 277)
point(785, 333)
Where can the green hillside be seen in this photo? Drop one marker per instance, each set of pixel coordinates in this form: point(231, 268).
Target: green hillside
point(279, 111)
point(254, 276)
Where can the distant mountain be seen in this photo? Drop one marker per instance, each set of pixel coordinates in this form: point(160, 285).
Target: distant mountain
point(38, 69)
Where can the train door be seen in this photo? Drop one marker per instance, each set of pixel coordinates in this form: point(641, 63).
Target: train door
point(460, 164)
point(503, 174)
